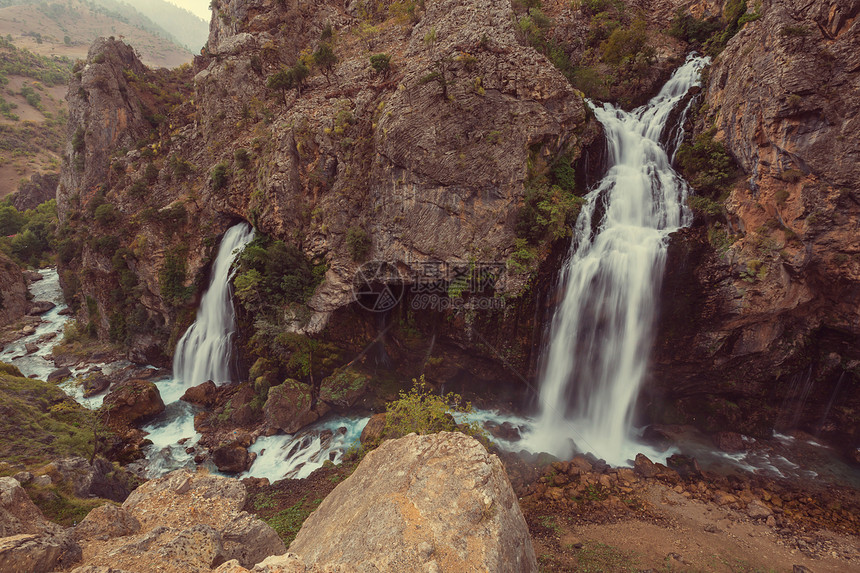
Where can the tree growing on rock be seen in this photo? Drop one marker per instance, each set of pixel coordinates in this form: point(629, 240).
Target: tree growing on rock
point(325, 59)
point(288, 78)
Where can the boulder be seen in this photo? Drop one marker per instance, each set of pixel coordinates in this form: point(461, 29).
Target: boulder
point(95, 384)
point(343, 388)
point(729, 442)
point(421, 503)
point(288, 407)
point(374, 429)
point(31, 347)
point(105, 522)
point(28, 541)
point(644, 466)
point(40, 307)
point(59, 374)
point(131, 403)
point(183, 522)
point(99, 479)
point(232, 458)
point(202, 395)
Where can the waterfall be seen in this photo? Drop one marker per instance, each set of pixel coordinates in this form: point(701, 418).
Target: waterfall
point(600, 337)
point(204, 352)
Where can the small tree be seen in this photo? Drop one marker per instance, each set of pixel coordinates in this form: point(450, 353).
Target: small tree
point(286, 79)
point(381, 63)
point(325, 59)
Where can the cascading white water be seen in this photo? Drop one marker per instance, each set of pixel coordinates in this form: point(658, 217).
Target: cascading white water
point(601, 333)
point(204, 351)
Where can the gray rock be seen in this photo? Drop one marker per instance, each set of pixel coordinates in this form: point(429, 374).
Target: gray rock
point(23, 477)
point(440, 496)
point(105, 522)
point(59, 374)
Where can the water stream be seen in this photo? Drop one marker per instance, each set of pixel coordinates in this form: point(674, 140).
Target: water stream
point(601, 334)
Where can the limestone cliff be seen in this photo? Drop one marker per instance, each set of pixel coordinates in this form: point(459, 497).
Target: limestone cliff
point(427, 158)
point(763, 299)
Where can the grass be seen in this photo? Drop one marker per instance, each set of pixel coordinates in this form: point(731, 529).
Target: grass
point(39, 422)
point(599, 557)
point(287, 522)
point(61, 507)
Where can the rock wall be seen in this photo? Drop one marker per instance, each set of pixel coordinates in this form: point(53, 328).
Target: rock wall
point(765, 305)
point(13, 290)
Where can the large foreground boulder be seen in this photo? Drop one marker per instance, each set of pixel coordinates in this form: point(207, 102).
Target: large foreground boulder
point(29, 542)
point(183, 522)
point(418, 500)
point(130, 404)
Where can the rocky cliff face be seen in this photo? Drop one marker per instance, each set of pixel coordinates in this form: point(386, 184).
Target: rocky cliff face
point(764, 302)
point(13, 289)
point(426, 160)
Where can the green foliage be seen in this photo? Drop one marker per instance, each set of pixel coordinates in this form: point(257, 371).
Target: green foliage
point(548, 213)
point(686, 27)
point(31, 236)
point(707, 165)
point(325, 59)
point(627, 45)
point(357, 243)
point(242, 158)
point(272, 273)
point(287, 522)
point(288, 78)
point(421, 411)
point(756, 270)
point(796, 31)
point(78, 141)
point(51, 71)
point(220, 175)
point(105, 214)
point(712, 35)
point(380, 63)
point(706, 205)
point(171, 277)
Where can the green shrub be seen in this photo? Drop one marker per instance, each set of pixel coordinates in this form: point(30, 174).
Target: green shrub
point(547, 214)
point(380, 63)
point(707, 165)
point(171, 277)
point(357, 243)
point(105, 214)
point(150, 173)
point(421, 411)
point(242, 158)
point(625, 45)
point(220, 175)
point(796, 31)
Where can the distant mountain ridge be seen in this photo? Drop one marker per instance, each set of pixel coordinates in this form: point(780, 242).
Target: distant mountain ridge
point(179, 24)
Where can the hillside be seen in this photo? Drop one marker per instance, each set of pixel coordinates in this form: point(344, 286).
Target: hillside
point(32, 114)
point(69, 28)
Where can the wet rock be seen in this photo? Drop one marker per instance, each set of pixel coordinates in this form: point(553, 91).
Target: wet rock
point(373, 431)
point(66, 312)
point(31, 347)
point(95, 384)
point(202, 394)
point(232, 458)
point(644, 466)
point(504, 431)
point(40, 307)
point(131, 403)
point(59, 374)
point(288, 407)
point(444, 487)
point(343, 388)
point(729, 442)
point(686, 466)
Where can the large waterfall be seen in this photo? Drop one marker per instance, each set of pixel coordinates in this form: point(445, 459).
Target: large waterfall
point(204, 352)
point(602, 331)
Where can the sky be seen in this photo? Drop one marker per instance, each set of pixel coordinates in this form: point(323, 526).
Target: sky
point(197, 7)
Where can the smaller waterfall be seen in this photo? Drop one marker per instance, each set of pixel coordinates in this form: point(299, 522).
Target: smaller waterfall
point(205, 350)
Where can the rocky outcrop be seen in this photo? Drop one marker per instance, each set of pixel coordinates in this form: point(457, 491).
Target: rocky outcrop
point(289, 407)
point(131, 403)
point(29, 542)
point(99, 479)
point(183, 522)
point(765, 303)
point(40, 188)
point(13, 292)
point(421, 503)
